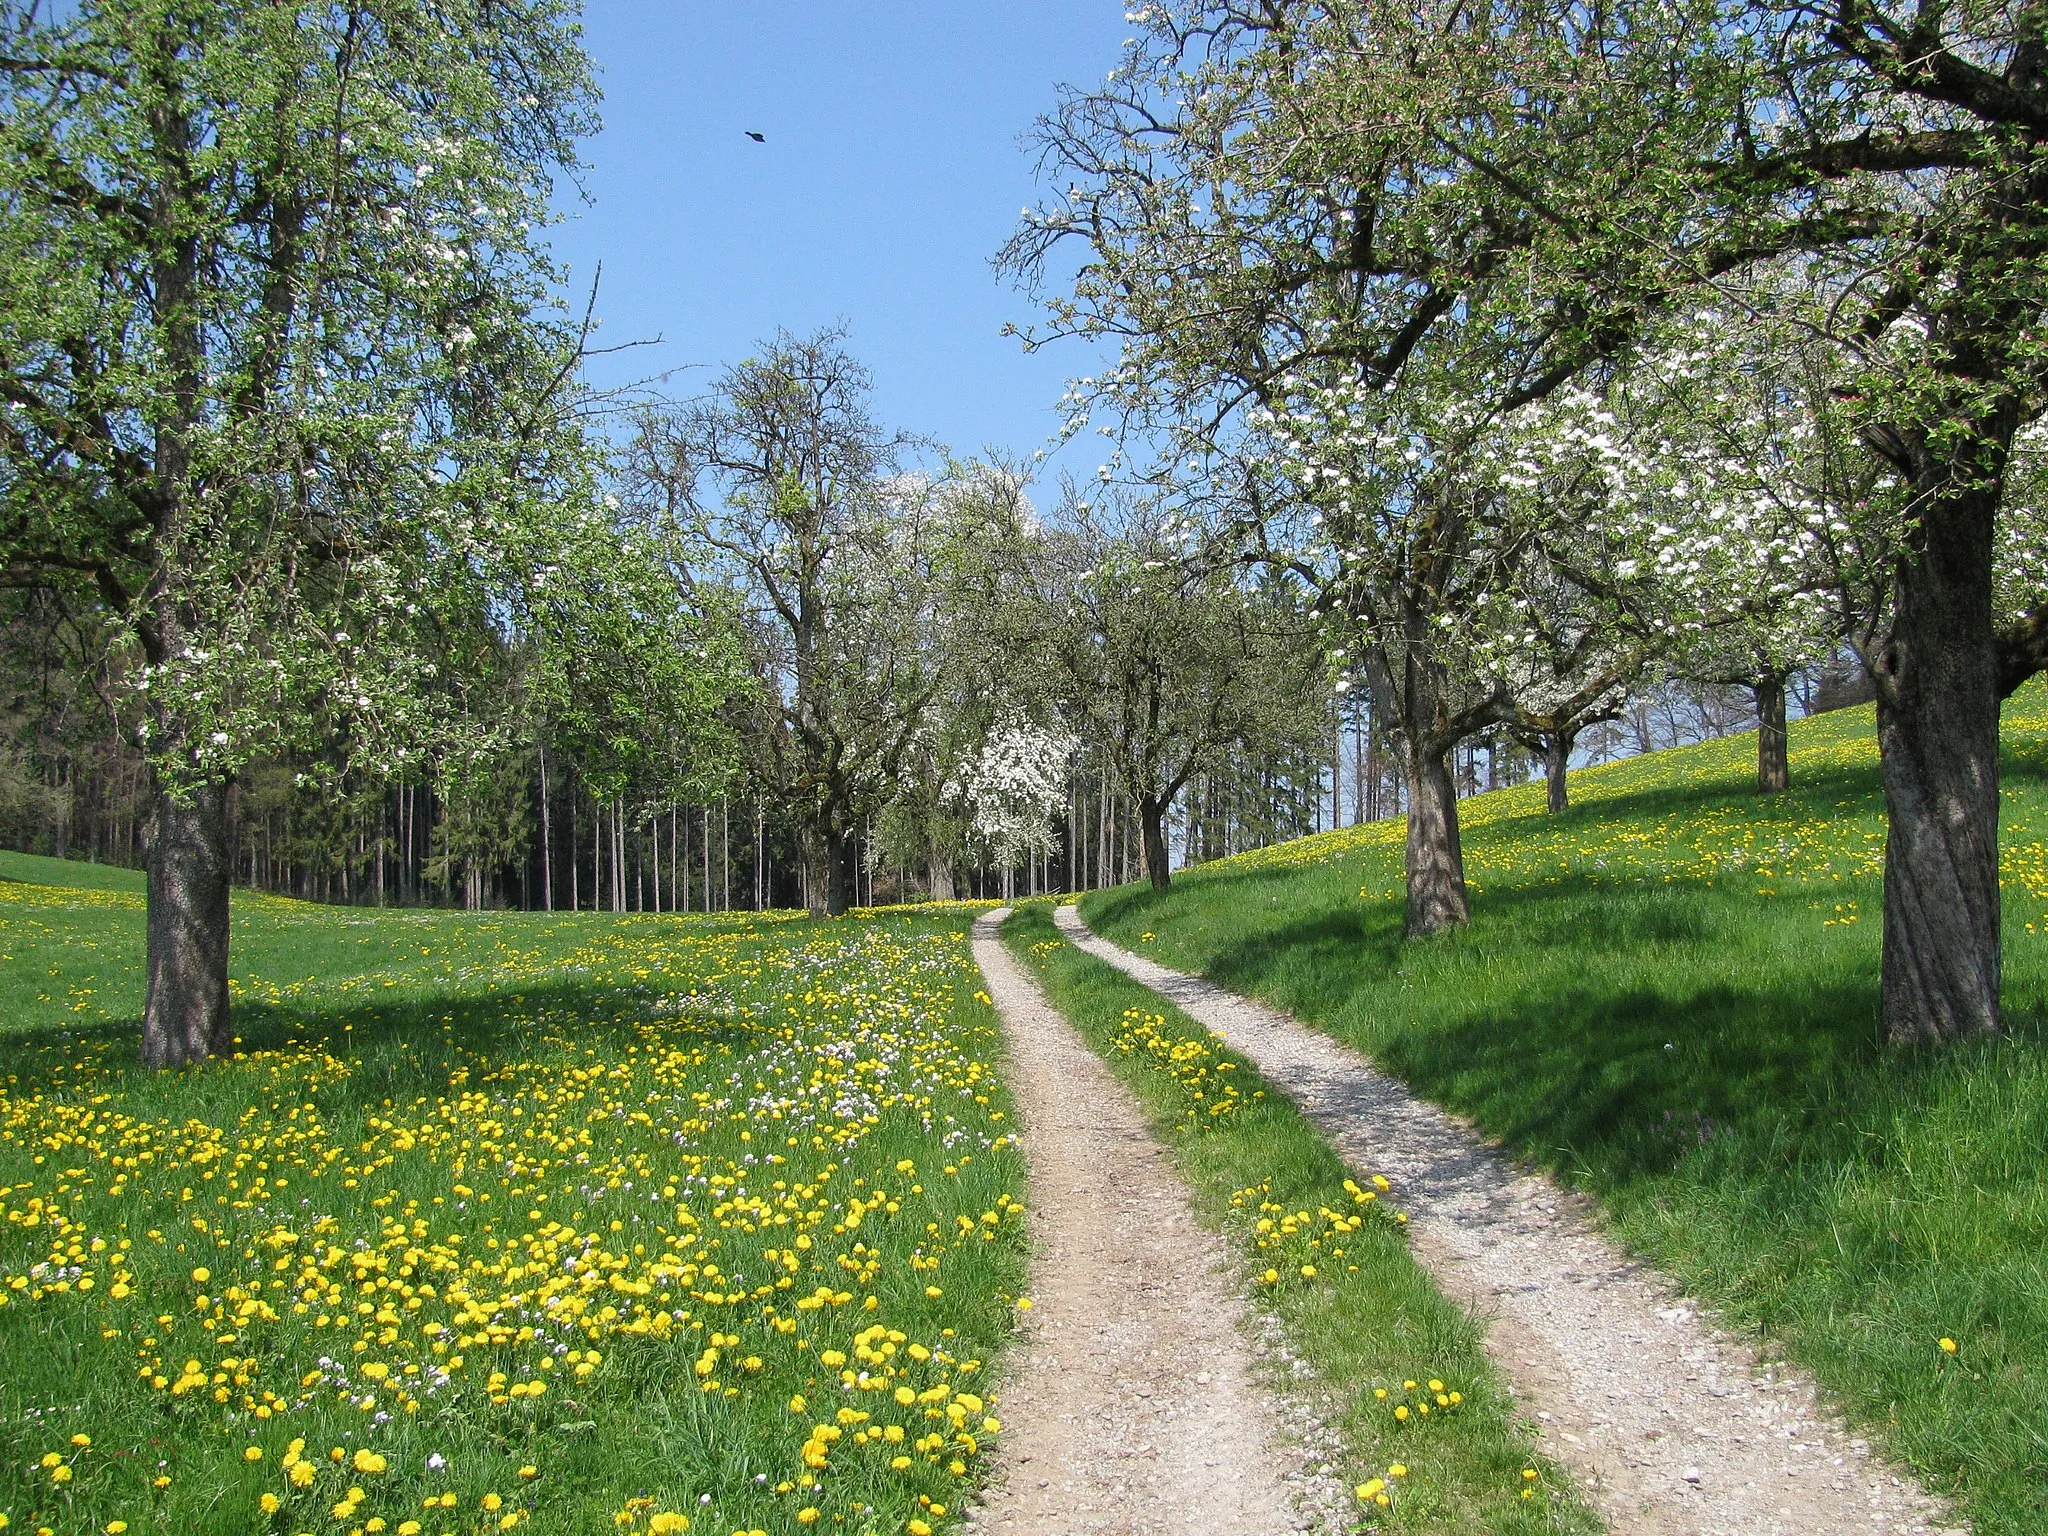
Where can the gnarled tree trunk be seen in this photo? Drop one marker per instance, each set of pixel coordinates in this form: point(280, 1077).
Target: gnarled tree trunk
point(828, 871)
point(1773, 764)
point(1436, 859)
point(1415, 693)
point(185, 1002)
point(1557, 762)
point(1937, 733)
point(817, 871)
point(841, 885)
point(1152, 821)
point(940, 868)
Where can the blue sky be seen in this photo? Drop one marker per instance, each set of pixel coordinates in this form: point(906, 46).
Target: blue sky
point(893, 170)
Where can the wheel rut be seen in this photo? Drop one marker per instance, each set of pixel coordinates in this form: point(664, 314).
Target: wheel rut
point(1672, 1426)
point(1132, 1409)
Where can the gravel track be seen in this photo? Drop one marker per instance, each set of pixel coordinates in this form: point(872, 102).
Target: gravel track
point(1132, 1409)
point(1672, 1426)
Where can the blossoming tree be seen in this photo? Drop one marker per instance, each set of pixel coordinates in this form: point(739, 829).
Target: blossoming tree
point(1016, 784)
point(1624, 160)
point(1241, 228)
point(1712, 507)
point(280, 397)
point(1164, 659)
point(853, 572)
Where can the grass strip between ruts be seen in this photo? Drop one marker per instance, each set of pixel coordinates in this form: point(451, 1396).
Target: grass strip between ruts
point(1323, 1253)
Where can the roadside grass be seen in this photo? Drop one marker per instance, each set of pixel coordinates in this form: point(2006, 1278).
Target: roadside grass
point(1326, 1255)
point(1668, 996)
point(594, 1222)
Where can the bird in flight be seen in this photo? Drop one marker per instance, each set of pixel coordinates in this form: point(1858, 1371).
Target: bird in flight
point(758, 138)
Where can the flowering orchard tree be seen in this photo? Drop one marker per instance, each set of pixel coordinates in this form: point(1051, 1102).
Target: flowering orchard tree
point(1419, 557)
point(854, 577)
point(928, 821)
point(1713, 509)
point(1166, 661)
point(1572, 668)
point(1293, 305)
point(1731, 517)
point(1629, 157)
point(1016, 784)
point(274, 397)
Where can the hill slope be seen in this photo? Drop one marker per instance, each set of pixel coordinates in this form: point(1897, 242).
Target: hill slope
point(75, 874)
point(1669, 996)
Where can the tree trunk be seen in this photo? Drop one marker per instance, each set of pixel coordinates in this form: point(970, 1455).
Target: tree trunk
point(1773, 765)
point(1436, 861)
point(941, 867)
point(840, 883)
point(619, 854)
point(185, 1001)
point(828, 872)
point(1152, 823)
point(547, 837)
point(1337, 763)
point(1937, 735)
point(1557, 762)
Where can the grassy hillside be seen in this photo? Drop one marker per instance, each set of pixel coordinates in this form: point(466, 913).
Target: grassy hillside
point(37, 870)
point(591, 1222)
point(1669, 996)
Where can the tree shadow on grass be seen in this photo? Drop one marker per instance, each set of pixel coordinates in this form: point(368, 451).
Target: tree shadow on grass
point(1613, 1085)
point(400, 1048)
point(1348, 945)
point(1605, 1032)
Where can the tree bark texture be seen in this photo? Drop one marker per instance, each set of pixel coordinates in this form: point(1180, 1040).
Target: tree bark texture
point(1773, 764)
point(1415, 699)
point(842, 886)
point(185, 1001)
point(828, 866)
point(816, 871)
point(1152, 820)
point(1436, 859)
point(1557, 762)
point(1937, 733)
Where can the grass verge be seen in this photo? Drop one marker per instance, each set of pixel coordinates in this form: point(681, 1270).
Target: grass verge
point(1325, 1254)
point(603, 1224)
point(1668, 997)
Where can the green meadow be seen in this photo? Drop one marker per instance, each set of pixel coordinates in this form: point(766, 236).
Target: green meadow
point(605, 1224)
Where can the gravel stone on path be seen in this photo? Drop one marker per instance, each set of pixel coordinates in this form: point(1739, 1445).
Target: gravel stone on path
point(1131, 1408)
point(1671, 1426)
